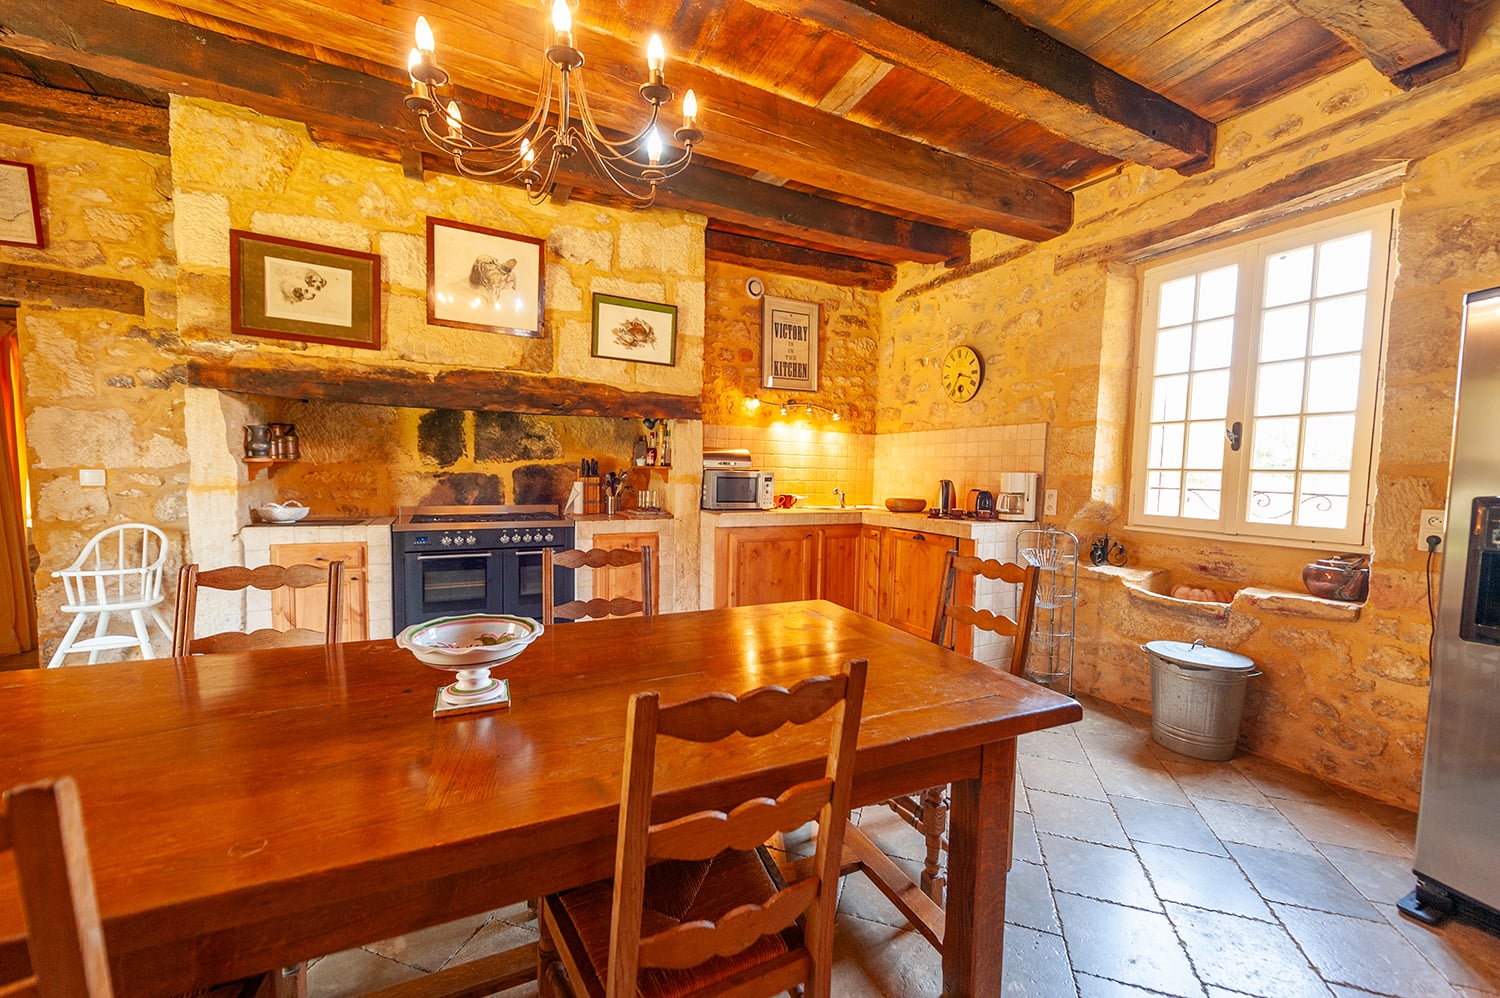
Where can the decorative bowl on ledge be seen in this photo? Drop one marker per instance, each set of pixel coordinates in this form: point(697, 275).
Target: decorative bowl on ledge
point(282, 512)
point(1343, 577)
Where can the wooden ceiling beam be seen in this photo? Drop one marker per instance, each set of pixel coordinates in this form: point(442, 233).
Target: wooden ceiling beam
point(798, 261)
point(748, 126)
point(27, 104)
point(994, 57)
point(1409, 41)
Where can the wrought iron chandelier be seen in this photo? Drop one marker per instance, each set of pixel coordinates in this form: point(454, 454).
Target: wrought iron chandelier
point(533, 153)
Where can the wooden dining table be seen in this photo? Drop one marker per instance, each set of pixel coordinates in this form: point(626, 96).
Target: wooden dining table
point(250, 811)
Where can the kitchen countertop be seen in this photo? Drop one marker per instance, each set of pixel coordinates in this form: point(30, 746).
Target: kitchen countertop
point(330, 521)
point(877, 516)
point(629, 514)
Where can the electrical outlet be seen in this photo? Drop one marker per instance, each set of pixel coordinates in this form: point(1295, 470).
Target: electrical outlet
point(90, 476)
point(1049, 504)
point(1430, 522)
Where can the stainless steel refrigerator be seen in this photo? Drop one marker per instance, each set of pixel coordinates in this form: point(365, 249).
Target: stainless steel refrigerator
point(1458, 825)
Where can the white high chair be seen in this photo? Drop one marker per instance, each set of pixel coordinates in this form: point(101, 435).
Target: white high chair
point(119, 571)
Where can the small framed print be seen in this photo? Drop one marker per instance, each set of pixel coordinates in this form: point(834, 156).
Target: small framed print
point(483, 279)
point(302, 291)
point(789, 344)
point(635, 330)
point(20, 211)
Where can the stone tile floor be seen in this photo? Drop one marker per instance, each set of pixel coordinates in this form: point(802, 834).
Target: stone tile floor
point(1137, 872)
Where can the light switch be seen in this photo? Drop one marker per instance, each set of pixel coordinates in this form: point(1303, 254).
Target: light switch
point(91, 476)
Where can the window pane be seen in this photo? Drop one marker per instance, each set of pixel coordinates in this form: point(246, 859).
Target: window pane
point(1273, 443)
point(1270, 499)
point(1213, 345)
point(1172, 349)
point(1333, 384)
point(1205, 445)
point(1177, 302)
point(1279, 389)
point(1169, 399)
point(1283, 333)
point(1166, 446)
point(1328, 442)
point(1339, 325)
point(1164, 493)
point(1202, 495)
point(1216, 292)
point(1324, 501)
point(1289, 277)
point(1210, 397)
point(1344, 265)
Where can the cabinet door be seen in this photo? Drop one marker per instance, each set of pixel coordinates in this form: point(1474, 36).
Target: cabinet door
point(912, 565)
point(763, 565)
point(869, 570)
point(308, 607)
point(611, 583)
point(839, 563)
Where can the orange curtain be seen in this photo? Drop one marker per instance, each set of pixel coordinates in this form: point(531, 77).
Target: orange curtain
point(17, 600)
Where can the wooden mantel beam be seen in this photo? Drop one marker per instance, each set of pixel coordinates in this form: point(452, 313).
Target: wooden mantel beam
point(976, 47)
point(451, 388)
point(1409, 41)
point(27, 104)
point(798, 261)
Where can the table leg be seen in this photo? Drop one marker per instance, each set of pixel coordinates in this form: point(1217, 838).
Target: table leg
point(979, 830)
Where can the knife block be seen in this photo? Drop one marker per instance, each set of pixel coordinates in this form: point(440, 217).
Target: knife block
point(593, 495)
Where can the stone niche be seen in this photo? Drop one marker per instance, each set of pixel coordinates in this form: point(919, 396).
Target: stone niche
point(368, 460)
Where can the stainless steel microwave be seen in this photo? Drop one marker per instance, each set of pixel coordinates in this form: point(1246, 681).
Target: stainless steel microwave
point(738, 488)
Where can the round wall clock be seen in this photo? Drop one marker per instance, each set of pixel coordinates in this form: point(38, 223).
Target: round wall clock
point(962, 373)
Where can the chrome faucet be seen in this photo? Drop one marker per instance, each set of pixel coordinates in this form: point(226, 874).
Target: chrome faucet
point(840, 494)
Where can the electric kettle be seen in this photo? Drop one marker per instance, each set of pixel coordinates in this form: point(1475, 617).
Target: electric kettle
point(945, 497)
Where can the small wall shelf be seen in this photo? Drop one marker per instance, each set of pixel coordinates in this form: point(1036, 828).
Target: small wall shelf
point(259, 464)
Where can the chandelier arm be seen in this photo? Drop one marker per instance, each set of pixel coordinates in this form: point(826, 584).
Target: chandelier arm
point(615, 175)
point(621, 147)
point(522, 131)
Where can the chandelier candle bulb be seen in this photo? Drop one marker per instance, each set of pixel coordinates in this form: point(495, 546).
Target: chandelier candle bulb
point(455, 122)
point(656, 58)
point(690, 110)
point(562, 23)
point(653, 147)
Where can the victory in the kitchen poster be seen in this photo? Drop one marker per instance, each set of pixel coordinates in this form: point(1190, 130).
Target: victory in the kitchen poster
point(789, 345)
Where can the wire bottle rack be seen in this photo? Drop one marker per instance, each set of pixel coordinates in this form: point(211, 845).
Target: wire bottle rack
point(1054, 552)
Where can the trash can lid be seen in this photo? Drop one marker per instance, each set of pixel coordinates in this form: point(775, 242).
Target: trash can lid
point(1200, 655)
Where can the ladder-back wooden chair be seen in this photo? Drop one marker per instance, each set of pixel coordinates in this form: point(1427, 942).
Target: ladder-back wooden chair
point(596, 558)
point(43, 830)
point(267, 577)
point(695, 906)
point(927, 811)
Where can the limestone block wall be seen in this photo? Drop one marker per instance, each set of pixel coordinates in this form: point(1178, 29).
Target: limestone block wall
point(101, 387)
point(1344, 697)
point(105, 389)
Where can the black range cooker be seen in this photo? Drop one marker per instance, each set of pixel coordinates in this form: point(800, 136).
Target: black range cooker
point(448, 560)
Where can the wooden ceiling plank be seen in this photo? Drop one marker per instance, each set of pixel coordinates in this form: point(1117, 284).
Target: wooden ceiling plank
point(26, 104)
point(996, 58)
point(452, 388)
point(1395, 35)
point(747, 127)
point(797, 261)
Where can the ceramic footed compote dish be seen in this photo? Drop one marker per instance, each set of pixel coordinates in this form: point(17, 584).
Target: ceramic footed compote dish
point(470, 645)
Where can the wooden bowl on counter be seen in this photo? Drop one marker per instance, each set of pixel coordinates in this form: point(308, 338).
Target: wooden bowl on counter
point(906, 505)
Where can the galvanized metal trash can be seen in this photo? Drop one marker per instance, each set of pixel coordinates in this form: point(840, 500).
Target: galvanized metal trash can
point(1197, 697)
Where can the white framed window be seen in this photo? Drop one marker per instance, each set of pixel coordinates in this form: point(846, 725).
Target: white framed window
point(1256, 386)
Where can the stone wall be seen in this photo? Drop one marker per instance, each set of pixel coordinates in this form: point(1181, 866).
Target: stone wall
point(107, 390)
point(1344, 693)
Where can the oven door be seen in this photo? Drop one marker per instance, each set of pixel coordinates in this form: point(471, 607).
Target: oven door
point(442, 584)
point(523, 572)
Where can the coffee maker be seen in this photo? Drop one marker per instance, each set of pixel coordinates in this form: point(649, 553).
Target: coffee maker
point(1016, 499)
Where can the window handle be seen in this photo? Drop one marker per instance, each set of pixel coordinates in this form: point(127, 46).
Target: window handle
point(1234, 434)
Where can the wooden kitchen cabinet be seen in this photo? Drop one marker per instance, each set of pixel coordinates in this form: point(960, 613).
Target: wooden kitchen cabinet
point(838, 571)
point(625, 581)
point(911, 569)
point(870, 539)
point(764, 565)
point(308, 607)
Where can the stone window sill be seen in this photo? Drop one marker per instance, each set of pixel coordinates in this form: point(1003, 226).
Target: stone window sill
point(1150, 584)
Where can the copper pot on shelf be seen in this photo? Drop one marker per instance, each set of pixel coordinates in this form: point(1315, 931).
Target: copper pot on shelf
point(1342, 577)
